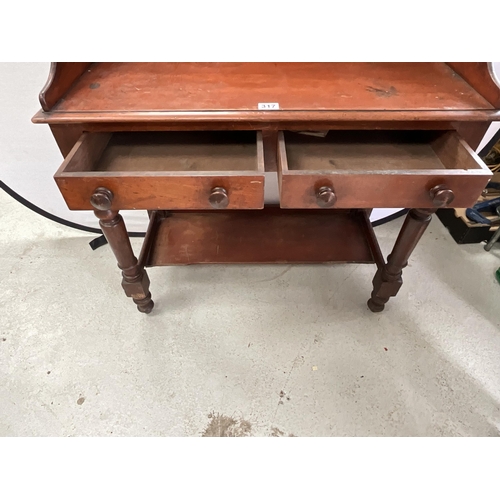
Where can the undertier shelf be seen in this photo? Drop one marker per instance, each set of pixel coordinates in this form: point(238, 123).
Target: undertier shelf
point(268, 236)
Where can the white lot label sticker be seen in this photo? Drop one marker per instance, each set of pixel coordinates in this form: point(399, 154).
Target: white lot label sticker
point(268, 105)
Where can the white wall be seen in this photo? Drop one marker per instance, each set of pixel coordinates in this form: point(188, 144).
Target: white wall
point(29, 154)
point(496, 125)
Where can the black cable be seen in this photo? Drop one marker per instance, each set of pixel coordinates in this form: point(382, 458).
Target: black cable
point(101, 240)
point(43, 213)
point(394, 216)
point(94, 244)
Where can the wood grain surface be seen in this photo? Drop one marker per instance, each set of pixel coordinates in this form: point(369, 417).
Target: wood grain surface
point(268, 236)
point(158, 171)
point(479, 76)
point(382, 173)
point(295, 86)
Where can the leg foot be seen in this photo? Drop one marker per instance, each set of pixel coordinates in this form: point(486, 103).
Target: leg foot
point(374, 307)
point(385, 285)
point(136, 285)
point(145, 305)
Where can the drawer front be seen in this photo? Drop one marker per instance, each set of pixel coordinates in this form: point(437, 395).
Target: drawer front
point(166, 171)
point(379, 170)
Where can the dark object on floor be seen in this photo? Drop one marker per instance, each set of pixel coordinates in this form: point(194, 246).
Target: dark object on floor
point(492, 159)
point(462, 230)
point(495, 237)
point(469, 225)
point(474, 215)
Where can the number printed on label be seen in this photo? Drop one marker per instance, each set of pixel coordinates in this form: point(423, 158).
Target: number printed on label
point(268, 105)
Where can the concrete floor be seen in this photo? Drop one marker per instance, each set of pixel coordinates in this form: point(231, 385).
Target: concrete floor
point(244, 350)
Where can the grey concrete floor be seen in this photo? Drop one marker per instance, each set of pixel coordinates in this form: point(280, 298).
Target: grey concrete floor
point(244, 350)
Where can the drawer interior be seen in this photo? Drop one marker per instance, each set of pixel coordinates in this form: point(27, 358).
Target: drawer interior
point(378, 150)
point(180, 152)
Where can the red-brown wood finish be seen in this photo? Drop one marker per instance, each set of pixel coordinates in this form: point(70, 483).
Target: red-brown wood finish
point(472, 132)
point(61, 77)
point(266, 236)
point(66, 136)
point(351, 178)
point(481, 77)
point(260, 120)
point(305, 92)
point(89, 106)
point(144, 189)
point(295, 86)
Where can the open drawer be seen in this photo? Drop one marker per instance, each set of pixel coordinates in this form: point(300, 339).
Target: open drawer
point(166, 170)
point(371, 169)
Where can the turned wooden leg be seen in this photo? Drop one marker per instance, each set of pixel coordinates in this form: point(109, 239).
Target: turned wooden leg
point(388, 279)
point(135, 279)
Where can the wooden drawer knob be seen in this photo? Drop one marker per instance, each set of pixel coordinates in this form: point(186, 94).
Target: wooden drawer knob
point(101, 199)
point(218, 197)
point(441, 196)
point(325, 197)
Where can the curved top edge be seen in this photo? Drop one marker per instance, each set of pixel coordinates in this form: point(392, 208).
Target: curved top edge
point(493, 75)
point(481, 77)
point(46, 87)
point(62, 76)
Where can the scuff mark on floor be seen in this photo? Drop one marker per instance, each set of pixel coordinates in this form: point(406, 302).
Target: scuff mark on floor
point(275, 277)
point(224, 426)
point(275, 432)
